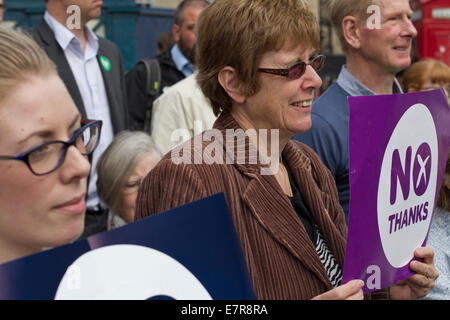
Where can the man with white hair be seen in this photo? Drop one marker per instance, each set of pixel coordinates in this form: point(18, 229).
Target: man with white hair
point(377, 46)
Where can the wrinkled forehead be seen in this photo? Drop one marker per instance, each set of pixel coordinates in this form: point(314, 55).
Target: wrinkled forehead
point(302, 45)
point(295, 40)
point(397, 6)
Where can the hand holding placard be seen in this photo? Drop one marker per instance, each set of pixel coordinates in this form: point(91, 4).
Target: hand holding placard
point(422, 282)
point(352, 290)
point(398, 148)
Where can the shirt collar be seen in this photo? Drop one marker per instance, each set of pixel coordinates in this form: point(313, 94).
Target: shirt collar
point(65, 37)
point(62, 35)
point(355, 88)
point(180, 60)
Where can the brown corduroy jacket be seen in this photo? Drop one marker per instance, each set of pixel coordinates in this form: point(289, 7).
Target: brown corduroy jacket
point(281, 259)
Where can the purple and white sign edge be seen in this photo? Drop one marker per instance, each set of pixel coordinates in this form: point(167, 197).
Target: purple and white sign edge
point(394, 180)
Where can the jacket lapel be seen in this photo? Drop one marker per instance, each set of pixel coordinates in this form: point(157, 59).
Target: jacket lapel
point(109, 86)
point(56, 54)
point(305, 181)
point(272, 208)
point(275, 213)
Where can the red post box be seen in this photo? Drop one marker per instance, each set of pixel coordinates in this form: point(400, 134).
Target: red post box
point(432, 21)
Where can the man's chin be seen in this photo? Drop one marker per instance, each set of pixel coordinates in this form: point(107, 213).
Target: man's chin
point(95, 13)
point(394, 69)
point(189, 54)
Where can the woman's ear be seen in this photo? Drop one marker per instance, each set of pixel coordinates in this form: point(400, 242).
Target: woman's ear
point(229, 81)
point(351, 32)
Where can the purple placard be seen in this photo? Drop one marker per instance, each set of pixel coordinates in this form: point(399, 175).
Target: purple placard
point(398, 146)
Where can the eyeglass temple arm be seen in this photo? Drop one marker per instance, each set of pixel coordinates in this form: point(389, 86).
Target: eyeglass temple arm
point(8, 158)
point(275, 71)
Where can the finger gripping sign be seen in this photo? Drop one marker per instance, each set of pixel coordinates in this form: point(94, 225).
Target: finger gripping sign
point(398, 148)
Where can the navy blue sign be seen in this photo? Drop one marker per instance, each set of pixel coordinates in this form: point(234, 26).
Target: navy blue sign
point(190, 252)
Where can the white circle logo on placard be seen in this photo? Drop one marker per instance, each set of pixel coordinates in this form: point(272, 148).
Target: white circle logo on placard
point(407, 185)
point(129, 272)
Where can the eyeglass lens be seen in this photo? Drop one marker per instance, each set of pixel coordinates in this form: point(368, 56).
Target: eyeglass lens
point(50, 156)
point(297, 70)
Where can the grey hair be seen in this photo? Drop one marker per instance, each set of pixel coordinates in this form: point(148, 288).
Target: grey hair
point(117, 162)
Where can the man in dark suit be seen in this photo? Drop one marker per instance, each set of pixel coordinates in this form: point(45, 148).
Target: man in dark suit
point(92, 70)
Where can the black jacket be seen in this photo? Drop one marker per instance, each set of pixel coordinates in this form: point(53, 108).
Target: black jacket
point(114, 81)
point(114, 78)
point(136, 80)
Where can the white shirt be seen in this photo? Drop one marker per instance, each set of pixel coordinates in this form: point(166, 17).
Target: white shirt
point(179, 114)
point(89, 79)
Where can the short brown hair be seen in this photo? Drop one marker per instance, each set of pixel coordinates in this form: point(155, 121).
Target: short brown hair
point(179, 12)
point(421, 72)
point(237, 33)
point(339, 9)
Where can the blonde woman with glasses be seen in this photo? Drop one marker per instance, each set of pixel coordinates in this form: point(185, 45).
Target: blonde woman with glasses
point(44, 148)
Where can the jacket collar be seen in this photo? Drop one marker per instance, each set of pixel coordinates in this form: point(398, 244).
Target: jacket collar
point(244, 154)
point(46, 33)
point(272, 208)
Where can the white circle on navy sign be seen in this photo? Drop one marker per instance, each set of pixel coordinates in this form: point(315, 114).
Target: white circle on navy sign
point(128, 272)
point(415, 131)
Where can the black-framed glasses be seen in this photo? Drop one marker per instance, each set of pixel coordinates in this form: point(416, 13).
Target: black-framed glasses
point(298, 69)
point(49, 156)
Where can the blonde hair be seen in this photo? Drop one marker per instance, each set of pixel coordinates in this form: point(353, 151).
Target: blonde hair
point(20, 58)
point(237, 33)
point(421, 72)
point(339, 9)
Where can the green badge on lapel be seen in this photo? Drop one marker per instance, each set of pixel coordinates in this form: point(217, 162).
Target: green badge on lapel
point(105, 63)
